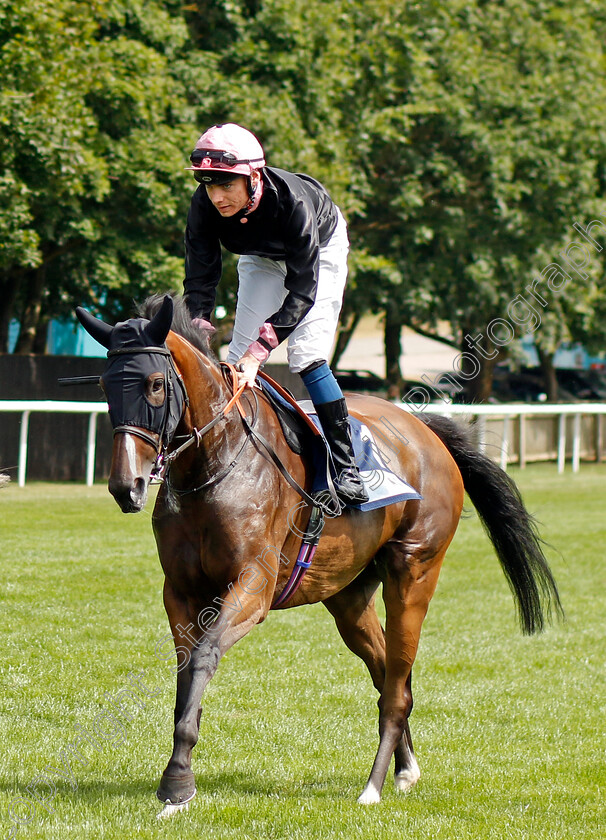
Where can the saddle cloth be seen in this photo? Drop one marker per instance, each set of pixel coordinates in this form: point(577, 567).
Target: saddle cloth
point(371, 452)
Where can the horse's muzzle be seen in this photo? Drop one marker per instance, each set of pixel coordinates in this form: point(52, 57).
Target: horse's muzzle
point(132, 462)
point(131, 496)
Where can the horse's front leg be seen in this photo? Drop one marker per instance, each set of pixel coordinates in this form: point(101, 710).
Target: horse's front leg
point(200, 645)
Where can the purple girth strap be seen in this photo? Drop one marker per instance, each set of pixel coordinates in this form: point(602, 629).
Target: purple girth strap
point(302, 564)
point(305, 558)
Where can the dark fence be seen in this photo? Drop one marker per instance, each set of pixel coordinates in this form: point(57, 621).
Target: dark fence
point(57, 442)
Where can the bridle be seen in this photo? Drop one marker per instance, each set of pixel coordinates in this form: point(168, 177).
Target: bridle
point(164, 436)
point(165, 460)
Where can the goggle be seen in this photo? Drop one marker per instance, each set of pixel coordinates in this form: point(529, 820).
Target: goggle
point(218, 158)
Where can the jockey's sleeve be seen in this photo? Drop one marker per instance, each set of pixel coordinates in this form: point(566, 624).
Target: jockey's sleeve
point(202, 265)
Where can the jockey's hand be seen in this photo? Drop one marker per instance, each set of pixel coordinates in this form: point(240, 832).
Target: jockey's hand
point(206, 328)
point(203, 324)
point(247, 368)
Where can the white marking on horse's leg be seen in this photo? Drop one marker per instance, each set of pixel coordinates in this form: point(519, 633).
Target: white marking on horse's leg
point(407, 779)
point(370, 795)
point(170, 810)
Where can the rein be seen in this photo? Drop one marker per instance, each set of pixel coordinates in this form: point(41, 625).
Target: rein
point(318, 509)
point(197, 434)
point(164, 462)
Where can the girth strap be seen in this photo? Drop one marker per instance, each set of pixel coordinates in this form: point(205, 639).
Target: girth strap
point(303, 562)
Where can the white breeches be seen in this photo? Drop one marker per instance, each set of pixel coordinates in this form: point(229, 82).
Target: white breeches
point(261, 292)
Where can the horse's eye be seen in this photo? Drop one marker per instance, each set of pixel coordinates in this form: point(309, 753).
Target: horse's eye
point(155, 389)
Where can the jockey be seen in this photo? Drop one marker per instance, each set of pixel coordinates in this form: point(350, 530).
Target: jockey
point(293, 246)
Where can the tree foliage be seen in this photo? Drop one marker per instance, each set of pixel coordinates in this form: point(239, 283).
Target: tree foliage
point(92, 126)
point(488, 150)
point(462, 139)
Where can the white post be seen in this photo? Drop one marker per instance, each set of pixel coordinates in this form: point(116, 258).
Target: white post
point(576, 443)
point(522, 454)
point(505, 443)
point(90, 449)
point(23, 448)
point(561, 442)
point(481, 433)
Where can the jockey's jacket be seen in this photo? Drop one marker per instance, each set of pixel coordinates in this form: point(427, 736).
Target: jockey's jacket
point(294, 218)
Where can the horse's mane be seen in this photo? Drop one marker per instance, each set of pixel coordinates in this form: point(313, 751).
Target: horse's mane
point(181, 324)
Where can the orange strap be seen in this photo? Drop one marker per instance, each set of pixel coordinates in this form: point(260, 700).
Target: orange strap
point(238, 391)
point(276, 385)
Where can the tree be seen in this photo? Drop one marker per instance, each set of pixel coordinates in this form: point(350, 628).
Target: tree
point(93, 131)
point(482, 135)
point(461, 139)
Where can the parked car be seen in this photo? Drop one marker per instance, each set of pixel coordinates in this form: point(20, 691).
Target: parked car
point(527, 385)
point(583, 384)
point(415, 391)
point(364, 381)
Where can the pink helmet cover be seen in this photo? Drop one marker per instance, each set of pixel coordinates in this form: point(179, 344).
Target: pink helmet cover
point(234, 140)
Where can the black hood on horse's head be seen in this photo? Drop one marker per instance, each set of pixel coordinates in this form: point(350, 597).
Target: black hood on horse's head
point(131, 333)
point(126, 374)
point(136, 332)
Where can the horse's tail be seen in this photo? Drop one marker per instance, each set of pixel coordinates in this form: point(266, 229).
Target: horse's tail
point(509, 525)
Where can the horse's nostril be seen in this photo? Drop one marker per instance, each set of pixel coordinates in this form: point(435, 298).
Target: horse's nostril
point(138, 490)
point(130, 495)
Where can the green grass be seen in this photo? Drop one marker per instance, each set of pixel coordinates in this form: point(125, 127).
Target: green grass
point(508, 730)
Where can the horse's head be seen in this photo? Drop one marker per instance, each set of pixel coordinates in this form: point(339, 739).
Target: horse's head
point(145, 397)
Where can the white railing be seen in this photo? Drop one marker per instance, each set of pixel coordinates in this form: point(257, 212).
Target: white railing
point(25, 407)
point(523, 411)
point(505, 411)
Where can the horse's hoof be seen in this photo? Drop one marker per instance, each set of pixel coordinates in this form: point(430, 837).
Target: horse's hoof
point(369, 796)
point(405, 780)
point(170, 810)
point(176, 790)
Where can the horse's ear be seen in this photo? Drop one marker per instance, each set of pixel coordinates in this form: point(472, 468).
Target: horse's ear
point(99, 330)
point(157, 329)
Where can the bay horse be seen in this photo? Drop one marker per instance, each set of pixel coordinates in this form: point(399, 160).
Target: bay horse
point(228, 525)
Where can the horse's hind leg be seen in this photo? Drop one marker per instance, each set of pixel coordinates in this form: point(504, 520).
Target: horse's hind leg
point(357, 621)
point(407, 590)
point(407, 772)
point(354, 613)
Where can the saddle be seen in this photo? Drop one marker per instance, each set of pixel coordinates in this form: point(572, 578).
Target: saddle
point(297, 426)
point(303, 433)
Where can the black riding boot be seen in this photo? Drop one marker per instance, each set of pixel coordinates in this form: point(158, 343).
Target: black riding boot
point(335, 425)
